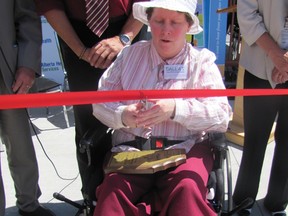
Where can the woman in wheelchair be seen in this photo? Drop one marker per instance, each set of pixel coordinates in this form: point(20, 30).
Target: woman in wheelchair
point(167, 61)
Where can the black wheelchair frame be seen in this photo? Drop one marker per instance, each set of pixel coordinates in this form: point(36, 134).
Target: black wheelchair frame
point(220, 178)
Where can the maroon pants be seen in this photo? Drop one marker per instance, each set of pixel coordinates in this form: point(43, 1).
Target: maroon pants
point(180, 191)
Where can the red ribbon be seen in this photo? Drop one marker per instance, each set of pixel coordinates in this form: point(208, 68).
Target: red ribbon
point(77, 98)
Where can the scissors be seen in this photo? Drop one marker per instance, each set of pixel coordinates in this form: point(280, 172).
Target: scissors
point(144, 103)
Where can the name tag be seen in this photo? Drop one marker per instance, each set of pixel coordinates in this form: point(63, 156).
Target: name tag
point(175, 72)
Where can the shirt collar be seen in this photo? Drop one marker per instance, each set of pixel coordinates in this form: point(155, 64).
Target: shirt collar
point(157, 60)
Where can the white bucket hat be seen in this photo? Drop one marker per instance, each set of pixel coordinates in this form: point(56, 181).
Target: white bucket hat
point(186, 6)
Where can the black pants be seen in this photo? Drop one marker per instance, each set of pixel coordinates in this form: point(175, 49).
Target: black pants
point(83, 77)
point(259, 115)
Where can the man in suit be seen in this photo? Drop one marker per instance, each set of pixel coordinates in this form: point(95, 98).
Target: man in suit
point(20, 61)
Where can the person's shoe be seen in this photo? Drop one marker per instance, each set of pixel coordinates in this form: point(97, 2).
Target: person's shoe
point(40, 211)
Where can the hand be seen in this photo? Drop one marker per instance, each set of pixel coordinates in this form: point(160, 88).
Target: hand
point(103, 54)
point(129, 115)
point(162, 110)
point(280, 60)
point(24, 80)
point(278, 77)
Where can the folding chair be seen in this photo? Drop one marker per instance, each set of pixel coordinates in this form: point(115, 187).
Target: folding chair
point(46, 85)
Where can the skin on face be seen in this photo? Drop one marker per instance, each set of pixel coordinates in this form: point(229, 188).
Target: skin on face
point(168, 29)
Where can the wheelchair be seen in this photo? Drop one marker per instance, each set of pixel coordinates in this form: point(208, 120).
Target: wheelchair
point(96, 143)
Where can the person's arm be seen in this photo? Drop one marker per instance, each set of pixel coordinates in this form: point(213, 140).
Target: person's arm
point(105, 52)
point(250, 21)
point(278, 56)
point(29, 41)
point(60, 23)
point(253, 31)
point(110, 113)
point(54, 12)
point(204, 113)
point(132, 27)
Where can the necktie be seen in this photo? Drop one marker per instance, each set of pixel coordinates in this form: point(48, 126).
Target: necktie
point(97, 15)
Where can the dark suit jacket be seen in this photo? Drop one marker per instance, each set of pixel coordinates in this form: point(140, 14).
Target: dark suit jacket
point(20, 38)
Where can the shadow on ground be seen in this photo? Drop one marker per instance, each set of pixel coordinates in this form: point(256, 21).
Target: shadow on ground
point(60, 209)
point(55, 115)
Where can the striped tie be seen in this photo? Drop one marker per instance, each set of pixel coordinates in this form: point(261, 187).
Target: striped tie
point(97, 15)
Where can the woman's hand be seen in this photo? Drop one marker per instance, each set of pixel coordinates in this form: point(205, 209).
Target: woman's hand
point(278, 77)
point(129, 115)
point(160, 111)
point(280, 60)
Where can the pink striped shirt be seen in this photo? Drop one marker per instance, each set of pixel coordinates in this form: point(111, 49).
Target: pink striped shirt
point(140, 67)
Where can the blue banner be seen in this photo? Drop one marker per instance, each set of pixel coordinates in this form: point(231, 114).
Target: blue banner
point(215, 28)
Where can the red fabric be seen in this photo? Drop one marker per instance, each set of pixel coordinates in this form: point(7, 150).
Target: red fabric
point(181, 190)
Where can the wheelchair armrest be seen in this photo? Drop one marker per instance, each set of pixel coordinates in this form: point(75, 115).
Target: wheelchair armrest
point(96, 142)
point(219, 148)
point(218, 140)
point(92, 137)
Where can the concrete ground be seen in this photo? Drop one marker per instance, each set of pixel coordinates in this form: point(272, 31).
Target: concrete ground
point(55, 150)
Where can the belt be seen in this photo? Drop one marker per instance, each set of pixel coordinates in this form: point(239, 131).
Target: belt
point(153, 143)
